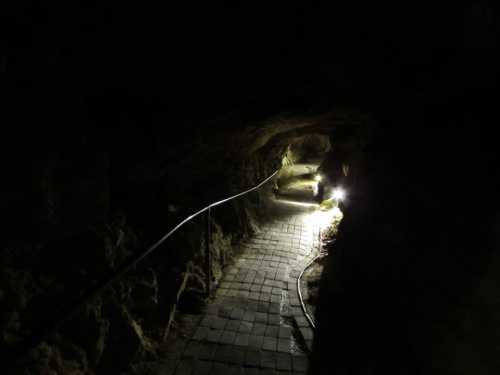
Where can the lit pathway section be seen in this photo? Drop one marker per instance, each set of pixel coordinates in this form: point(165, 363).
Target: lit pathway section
point(255, 324)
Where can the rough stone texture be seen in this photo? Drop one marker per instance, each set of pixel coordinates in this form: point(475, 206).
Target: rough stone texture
point(91, 204)
point(407, 287)
point(248, 327)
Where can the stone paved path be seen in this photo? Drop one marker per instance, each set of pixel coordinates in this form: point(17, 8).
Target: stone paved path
point(255, 324)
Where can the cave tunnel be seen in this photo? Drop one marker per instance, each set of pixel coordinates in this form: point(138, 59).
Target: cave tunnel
point(283, 190)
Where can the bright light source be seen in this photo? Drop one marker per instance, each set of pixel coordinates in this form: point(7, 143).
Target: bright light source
point(323, 219)
point(301, 204)
point(318, 177)
point(338, 194)
point(319, 219)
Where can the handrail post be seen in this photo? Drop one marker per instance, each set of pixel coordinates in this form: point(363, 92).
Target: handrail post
point(208, 267)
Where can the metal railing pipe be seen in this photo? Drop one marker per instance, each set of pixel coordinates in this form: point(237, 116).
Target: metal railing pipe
point(122, 270)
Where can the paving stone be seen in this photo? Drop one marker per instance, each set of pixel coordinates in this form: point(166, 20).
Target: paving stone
point(284, 345)
point(206, 351)
point(255, 341)
point(225, 369)
point(238, 356)
point(221, 292)
point(245, 327)
point(299, 363)
point(266, 289)
point(301, 320)
point(259, 280)
point(243, 294)
point(212, 309)
point(228, 354)
point(201, 333)
point(202, 367)
point(246, 315)
point(285, 332)
point(252, 358)
point(255, 288)
point(268, 360)
point(281, 274)
point(214, 335)
point(242, 339)
point(237, 313)
point(259, 329)
point(274, 308)
point(265, 297)
point(206, 321)
point(263, 307)
point(269, 282)
point(176, 348)
point(192, 349)
point(249, 277)
point(249, 316)
point(251, 371)
point(295, 273)
point(275, 299)
point(232, 325)
point(283, 362)
point(276, 291)
point(185, 367)
point(228, 337)
point(254, 296)
point(225, 311)
point(271, 331)
point(270, 343)
point(278, 284)
point(261, 317)
point(274, 319)
point(217, 323)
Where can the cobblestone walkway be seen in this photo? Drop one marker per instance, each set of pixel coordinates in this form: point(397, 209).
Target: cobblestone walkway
point(255, 324)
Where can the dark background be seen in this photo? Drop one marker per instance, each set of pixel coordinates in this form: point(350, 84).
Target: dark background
point(71, 70)
point(92, 57)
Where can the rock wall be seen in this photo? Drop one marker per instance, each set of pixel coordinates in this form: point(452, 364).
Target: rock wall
point(98, 199)
point(409, 279)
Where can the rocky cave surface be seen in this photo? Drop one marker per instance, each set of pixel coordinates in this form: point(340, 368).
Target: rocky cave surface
point(95, 201)
point(115, 128)
point(408, 286)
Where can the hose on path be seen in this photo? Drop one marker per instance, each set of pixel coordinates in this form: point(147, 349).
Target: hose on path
point(304, 309)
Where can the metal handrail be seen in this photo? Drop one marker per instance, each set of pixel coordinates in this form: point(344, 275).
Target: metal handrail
point(121, 271)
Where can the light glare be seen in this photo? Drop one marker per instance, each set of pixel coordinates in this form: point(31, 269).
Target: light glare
point(301, 204)
point(318, 177)
point(338, 194)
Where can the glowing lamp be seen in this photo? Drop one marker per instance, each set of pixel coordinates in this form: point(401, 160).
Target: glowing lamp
point(338, 194)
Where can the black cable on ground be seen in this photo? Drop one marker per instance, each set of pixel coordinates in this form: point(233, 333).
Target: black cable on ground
point(304, 310)
point(302, 304)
